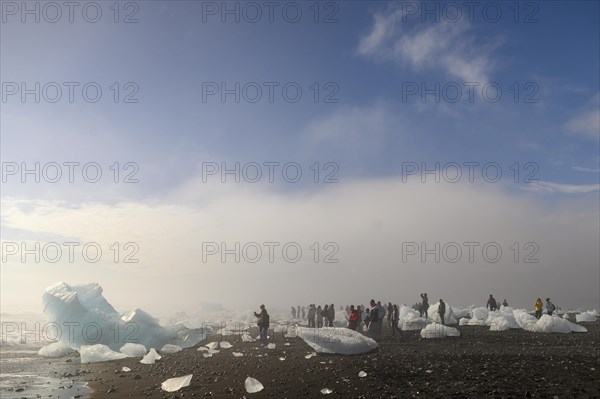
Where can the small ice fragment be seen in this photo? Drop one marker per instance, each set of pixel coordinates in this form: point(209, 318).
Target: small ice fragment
point(126, 369)
point(168, 348)
point(271, 346)
point(207, 354)
point(282, 358)
point(212, 345)
point(151, 357)
point(175, 384)
point(429, 371)
point(253, 385)
point(287, 344)
point(213, 351)
point(225, 345)
point(362, 374)
point(308, 356)
point(326, 391)
point(203, 349)
point(238, 354)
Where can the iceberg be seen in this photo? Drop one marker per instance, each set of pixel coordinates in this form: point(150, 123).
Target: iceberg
point(336, 340)
point(90, 319)
point(151, 357)
point(98, 353)
point(253, 385)
point(175, 384)
point(437, 330)
point(56, 349)
point(133, 350)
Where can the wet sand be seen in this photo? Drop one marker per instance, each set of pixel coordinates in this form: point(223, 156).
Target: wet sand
point(480, 363)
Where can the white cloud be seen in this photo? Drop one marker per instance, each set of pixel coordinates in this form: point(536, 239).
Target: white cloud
point(587, 170)
point(587, 122)
point(548, 187)
point(445, 45)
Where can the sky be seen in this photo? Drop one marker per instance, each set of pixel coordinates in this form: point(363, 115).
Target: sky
point(296, 152)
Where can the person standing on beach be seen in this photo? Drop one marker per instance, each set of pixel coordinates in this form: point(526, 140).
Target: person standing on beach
point(395, 319)
point(359, 321)
point(390, 312)
point(550, 308)
point(331, 315)
point(373, 331)
point(319, 317)
point(380, 316)
point(538, 308)
point(491, 303)
point(504, 303)
point(293, 312)
point(424, 305)
point(298, 312)
point(442, 311)
point(353, 318)
point(326, 315)
point(263, 324)
point(312, 312)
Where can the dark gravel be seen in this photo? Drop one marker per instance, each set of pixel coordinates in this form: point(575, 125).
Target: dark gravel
point(509, 364)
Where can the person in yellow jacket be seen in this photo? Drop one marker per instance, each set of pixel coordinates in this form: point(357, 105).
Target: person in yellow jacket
point(538, 308)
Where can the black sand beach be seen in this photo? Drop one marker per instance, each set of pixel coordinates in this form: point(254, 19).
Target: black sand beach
point(481, 363)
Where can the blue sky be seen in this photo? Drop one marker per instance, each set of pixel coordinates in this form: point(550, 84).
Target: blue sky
point(371, 54)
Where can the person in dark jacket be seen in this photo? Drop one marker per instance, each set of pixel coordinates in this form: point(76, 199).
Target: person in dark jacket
point(390, 313)
point(331, 315)
point(373, 330)
point(550, 308)
point(312, 312)
point(395, 319)
point(319, 317)
point(491, 303)
point(424, 305)
point(263, 324)
point(442, 311)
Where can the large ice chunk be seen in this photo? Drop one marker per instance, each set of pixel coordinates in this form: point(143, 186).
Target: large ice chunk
point(336, 340)
point(545, 323)
point(432, 312)
point(411, 320)
point(98, 353)
point(92, 320)
point(170, 349)
point(437, 330)
point(56, 349)
point(175, 384)
point(133, 350)
point(586, 316)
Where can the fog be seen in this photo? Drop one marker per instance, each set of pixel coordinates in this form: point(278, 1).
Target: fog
point(369, 233)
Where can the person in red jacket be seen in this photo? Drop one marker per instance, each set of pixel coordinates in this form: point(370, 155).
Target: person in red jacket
point(353, 318)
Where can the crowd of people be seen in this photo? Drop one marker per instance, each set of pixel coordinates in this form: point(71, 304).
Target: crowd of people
point(370, 320)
